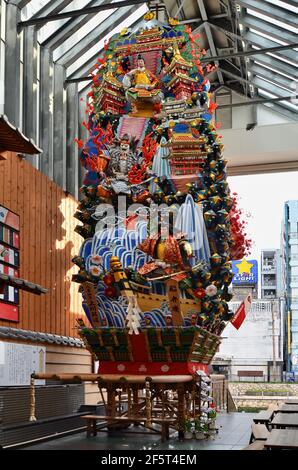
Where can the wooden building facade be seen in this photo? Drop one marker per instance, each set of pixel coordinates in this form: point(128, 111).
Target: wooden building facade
point(48, 242)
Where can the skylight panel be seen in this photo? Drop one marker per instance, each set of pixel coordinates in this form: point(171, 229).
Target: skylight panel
point(97, 48)
point(269, 19)
point(50, 28)
point(284, 59)
point(284, 5)
point(287, 104)
point(287, 89)
point(32, 8)
point(277, 56)
point(274, 70)
point(76, 37)
point(267, 36)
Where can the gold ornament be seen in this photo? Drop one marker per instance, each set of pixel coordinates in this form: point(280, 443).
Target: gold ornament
point(173, 21)
point(149, 16)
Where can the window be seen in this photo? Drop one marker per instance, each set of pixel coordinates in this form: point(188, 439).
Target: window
point(9, 262)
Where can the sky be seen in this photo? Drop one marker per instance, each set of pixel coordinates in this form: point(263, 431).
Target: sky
point(262, 199)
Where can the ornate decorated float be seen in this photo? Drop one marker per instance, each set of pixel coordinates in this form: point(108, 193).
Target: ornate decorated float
point(155, 264)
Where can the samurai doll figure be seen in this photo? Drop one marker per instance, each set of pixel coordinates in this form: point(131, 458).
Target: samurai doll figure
point(123, 157)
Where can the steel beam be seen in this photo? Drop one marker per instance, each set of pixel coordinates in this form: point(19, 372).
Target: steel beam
point(30, 86)
point(46, 111)
point(13, 79)
point(70, 27)
point(51, 7)
point(253, 52)
point(258, 101)
point(72, 130)
point(273, 11)
point(83, 133)
point(234, 76)
point(208, 32)
point(94, 36)
point(18, 3)
point(224, 25)
point(76, 13)
point(59, 120)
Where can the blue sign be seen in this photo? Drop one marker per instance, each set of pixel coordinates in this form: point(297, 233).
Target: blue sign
point(245, 272)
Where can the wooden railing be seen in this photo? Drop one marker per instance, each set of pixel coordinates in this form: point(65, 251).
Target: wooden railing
point(221, 393)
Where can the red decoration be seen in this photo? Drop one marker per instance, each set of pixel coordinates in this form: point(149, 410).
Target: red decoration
point(241, 246)
point(151, 368)
point(108, 279)
point(137, 175)
point(110, 292)
point(200, 293)
point(79, 143)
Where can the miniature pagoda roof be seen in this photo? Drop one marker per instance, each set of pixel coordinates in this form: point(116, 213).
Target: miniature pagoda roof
point(13, 140)
point(178, 59)
point(188, 138)
point(181, 76)
point(110, 78)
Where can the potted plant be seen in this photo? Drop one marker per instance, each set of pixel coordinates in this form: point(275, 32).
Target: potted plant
point(188, 434)
point(200, 429)
point(211, 418)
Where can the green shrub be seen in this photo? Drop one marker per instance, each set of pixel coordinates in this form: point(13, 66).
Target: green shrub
point(250, 409)
point(268, 392)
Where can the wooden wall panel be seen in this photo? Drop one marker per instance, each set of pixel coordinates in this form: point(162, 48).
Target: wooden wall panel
point(48, 242)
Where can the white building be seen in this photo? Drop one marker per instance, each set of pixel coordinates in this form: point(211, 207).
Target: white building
point(290, 276)
point(271, 274)
point(256, 349)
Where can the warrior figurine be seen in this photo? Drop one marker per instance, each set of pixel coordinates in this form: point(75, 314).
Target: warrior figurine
point(123, 157)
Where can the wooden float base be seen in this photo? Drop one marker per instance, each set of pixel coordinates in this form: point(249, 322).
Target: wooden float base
point(151, 368)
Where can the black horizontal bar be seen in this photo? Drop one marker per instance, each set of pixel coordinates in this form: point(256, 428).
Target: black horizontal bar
point(218, 57)
point(249, 53)
point(260, 101)
point(75, 13)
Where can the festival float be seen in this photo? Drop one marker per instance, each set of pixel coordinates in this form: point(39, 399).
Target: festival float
point(155, 263)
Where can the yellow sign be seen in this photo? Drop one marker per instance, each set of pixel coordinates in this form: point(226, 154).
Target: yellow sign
point(244, 267)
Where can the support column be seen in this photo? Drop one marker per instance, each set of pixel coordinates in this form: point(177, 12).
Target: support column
point(30, 87)
point(13, 78)
point(2, 54)
point(46, 111)
point(59, 120)
point(181, 410)
point(83, 133)
point(72, 153)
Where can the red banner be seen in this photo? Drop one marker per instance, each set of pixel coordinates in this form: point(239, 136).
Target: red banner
point(241, 312)
point(239, 316)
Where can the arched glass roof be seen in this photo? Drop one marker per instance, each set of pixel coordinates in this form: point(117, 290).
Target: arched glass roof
point(225, 25)
point(45, 65)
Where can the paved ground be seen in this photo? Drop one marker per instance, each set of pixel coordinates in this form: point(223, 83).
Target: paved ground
point(234, 434)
